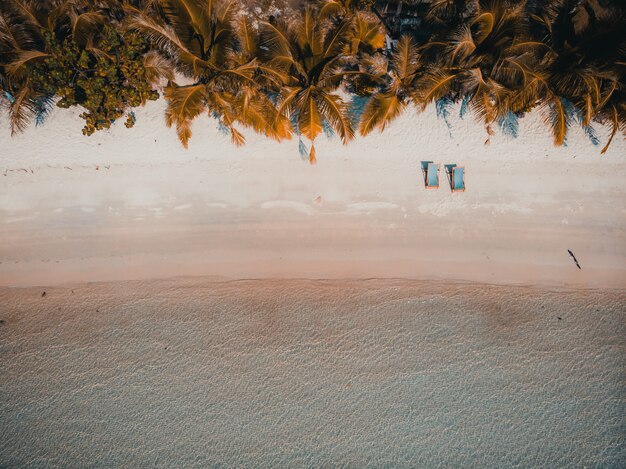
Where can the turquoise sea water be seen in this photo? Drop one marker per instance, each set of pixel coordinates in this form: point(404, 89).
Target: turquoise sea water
point(190, 373)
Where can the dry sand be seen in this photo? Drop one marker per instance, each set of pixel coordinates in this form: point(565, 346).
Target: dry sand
point(133, 204)
point(193, 373)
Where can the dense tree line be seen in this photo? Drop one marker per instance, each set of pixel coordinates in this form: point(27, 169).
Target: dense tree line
point(277, 67)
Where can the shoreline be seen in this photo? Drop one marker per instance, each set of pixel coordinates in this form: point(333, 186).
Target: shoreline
point(216, 281)
point(284, 244)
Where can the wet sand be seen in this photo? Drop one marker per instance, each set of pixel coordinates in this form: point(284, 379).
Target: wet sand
point(198, 372)
point(236, 244)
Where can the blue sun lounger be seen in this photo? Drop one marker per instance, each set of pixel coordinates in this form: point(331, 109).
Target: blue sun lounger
point(431, 174)
point(458, 179)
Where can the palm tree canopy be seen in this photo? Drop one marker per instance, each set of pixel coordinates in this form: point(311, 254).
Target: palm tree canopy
point(218, 50)
point(313, 56)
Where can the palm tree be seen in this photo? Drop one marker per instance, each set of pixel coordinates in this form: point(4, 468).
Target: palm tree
point(21, 41)
point(488, 60)
point(217, 52)
point(484, 59)
point(313, 57)
point(368, 35)
point(586, 66)
point(401, 72)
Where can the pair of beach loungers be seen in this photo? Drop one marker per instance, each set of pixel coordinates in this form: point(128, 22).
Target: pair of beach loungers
point(455, 175)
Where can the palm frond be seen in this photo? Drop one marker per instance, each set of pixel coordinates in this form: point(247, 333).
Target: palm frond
point(157, 67)
point(461, 43)
point(444, 10)
point(557, 118)
point(381, 109)
point(255, 110)
point(243, 72)
point(367, 34)
point(184, 103)
point(166, 39)
point(247, 36)
point(86, 25)
point(484, 26)
point(237, 137)
point(15, 34)
point(337, 38)
point(288, 101)
point(335, 111)
point(309, 117)
point(405, 58)
point(26, 9)
point(186, 18)
point(433, 85)
point(330, 8)
point(275, 41)
point(15, 67)
point(222, 29)
point(23, 109)
point(44, 105)
point(305, 32)
point(614, 127)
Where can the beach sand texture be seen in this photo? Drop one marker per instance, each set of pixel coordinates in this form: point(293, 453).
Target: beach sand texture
point(311, 373)
point(133, 204)
point(197, 370)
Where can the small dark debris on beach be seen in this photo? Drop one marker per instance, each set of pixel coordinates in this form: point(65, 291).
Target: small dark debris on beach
point(43, 294)
point(571, 254)
point(1, 322)
point(558, 317)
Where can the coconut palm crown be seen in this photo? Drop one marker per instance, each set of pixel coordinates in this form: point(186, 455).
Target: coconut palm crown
point(217, 51)
point(585, 74)
point(312, 58)
point(400, 74)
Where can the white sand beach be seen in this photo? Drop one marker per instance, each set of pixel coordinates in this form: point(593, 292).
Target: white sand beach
point(237, 306)
point(133, 204)
point(192, 371)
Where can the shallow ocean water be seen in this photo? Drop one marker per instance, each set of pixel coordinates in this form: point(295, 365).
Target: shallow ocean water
point(192, 372)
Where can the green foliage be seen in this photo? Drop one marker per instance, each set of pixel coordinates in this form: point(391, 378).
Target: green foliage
point(106, 80)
